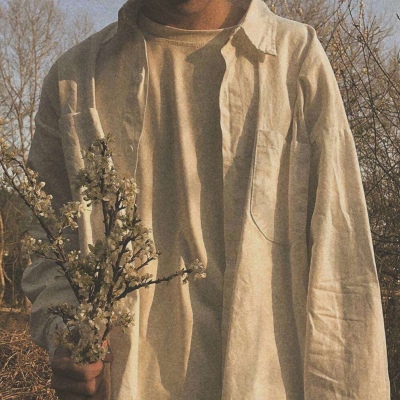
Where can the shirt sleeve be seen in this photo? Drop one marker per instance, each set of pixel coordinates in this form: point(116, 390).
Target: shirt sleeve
point(42, 282)
point(345, 352)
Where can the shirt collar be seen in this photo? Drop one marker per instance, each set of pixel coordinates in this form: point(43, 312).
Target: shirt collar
point(259, 23)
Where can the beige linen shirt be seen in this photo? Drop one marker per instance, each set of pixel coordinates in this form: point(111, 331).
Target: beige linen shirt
point(302, 316)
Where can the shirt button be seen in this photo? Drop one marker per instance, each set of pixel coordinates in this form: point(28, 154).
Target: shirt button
point(138, 78)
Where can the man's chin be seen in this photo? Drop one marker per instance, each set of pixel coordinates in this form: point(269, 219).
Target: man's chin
point(185, 7)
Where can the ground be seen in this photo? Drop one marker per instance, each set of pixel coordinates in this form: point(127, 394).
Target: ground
point(24, 368)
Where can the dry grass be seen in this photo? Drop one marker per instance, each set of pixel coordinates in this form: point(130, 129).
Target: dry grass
point(24, 369)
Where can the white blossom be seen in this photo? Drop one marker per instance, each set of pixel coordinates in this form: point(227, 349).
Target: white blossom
point(110, 268)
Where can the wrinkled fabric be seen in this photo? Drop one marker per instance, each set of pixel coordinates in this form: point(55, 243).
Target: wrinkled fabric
point(179, 175)
point(302, 317)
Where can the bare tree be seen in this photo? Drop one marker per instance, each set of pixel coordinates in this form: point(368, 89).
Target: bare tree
point(33, 33)
point(2, 251)
point(371, 89)
point(369, 78)
point(13, 222)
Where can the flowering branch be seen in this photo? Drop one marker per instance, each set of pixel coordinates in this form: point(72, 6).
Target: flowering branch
point(112, 267)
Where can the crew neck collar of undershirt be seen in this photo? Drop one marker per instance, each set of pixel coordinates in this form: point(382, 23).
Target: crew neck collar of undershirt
point(179, 35)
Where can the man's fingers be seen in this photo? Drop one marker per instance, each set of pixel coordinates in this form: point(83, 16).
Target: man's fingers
point(62, 352)
point(61, 384)
point(78, 381)
point(64, 366)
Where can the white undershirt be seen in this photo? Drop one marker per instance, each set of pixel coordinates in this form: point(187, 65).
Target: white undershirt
point(180, 175)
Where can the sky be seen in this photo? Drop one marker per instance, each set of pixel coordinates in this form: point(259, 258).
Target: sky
point(103, 12)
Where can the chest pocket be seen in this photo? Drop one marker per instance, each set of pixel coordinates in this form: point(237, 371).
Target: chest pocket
point(279, 192)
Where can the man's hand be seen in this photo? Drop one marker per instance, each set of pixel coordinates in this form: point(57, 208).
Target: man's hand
point(77, 382)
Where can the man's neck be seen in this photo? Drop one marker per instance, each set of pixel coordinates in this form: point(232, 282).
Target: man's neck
point(193, 14)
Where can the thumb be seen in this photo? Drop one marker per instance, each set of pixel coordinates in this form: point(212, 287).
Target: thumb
point(62, 352)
